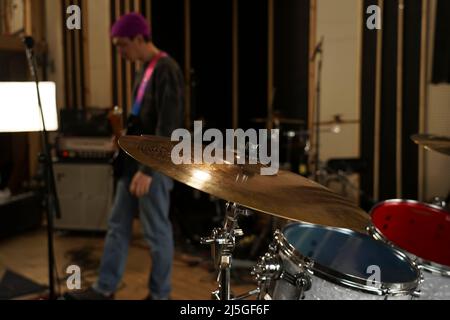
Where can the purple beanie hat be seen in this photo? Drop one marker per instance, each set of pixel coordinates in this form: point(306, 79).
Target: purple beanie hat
point(130, 26)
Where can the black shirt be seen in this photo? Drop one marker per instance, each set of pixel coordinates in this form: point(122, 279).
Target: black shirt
point(162, 108)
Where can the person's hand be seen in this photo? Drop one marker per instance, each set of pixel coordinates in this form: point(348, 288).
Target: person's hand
point(140, 184)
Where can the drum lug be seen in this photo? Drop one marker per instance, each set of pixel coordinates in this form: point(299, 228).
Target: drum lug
point(418, 292)
point(267, 268)
point(421, 277)
point(278, 236)
point(303, 281)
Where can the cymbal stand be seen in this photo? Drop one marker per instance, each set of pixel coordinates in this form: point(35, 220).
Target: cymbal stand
point(267, 269)
point(223, 241)
point(318, 52)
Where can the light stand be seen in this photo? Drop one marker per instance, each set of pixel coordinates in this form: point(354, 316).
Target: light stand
point(51, 197)
point(318, 52)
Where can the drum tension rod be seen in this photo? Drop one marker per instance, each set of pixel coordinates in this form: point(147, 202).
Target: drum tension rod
point(301, 281)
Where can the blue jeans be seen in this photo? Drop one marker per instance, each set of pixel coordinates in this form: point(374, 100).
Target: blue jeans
point(157, 228)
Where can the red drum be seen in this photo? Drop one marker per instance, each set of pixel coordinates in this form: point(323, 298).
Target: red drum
point(422, 231)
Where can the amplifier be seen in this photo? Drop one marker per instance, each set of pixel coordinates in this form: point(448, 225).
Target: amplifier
point(84, 148)
point(85, 192)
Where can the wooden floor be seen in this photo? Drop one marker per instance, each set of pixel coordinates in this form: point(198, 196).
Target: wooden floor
point(193, 276)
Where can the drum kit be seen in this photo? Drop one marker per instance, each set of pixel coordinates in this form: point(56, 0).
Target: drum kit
point(330, 249)
point(433, 143)
point(295, 141)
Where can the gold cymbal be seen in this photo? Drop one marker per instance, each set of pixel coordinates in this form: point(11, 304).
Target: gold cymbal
point(285, 195)
point(432, 142)
point(337, 120)
point(333, 123)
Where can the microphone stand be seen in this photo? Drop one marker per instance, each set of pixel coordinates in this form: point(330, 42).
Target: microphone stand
point(318, 52)
point(51, 197)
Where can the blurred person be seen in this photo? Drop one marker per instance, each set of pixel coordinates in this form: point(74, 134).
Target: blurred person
point(157, 110)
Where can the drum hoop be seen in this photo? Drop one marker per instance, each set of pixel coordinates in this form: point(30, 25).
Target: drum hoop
point(291, 253)
point(398, 201)
point(347, 280)
point(422, 264)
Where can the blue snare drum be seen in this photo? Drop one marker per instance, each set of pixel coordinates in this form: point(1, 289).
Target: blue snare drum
point(315, 262)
